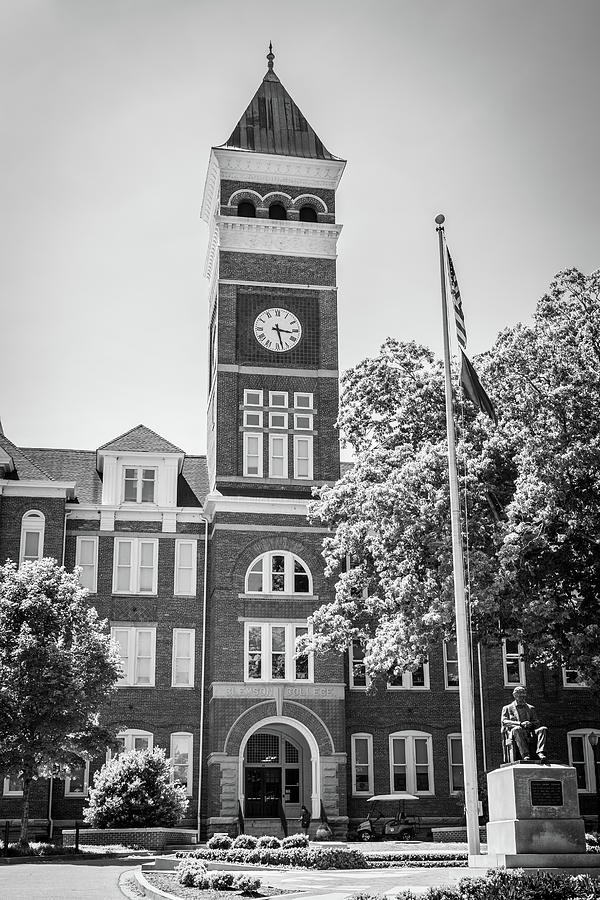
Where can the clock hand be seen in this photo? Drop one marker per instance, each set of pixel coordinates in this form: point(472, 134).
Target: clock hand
point(278, 330)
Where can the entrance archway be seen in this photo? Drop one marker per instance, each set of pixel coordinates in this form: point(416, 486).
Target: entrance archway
point(279, 759)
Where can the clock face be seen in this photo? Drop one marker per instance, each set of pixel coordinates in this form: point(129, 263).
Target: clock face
point(277, 329)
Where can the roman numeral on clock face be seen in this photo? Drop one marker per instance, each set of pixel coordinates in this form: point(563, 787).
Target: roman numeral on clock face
point(277, 329)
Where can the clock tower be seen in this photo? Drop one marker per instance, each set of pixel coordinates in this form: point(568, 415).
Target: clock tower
point(273, 386)
point(274, 722)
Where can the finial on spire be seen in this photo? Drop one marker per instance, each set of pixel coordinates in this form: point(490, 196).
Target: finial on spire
point(270, 56)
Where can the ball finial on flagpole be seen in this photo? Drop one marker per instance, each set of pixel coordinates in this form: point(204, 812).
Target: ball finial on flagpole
point(439, 220)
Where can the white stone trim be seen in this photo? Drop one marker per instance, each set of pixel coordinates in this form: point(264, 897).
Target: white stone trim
point(264, 506)
point(272, 236)
point(32, 488)
point(279, 284)
point(306, 529)
point(278, 370)
point(232, 690)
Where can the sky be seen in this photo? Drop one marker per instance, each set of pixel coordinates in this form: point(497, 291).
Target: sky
point(484, 111)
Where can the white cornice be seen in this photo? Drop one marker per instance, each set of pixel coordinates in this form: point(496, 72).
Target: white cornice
point(275, 506)
point(275, 237)
point(32, 488)
point(93, 510)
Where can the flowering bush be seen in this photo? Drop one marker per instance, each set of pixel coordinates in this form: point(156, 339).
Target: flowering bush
point(135, 790)
point(269, 841)
point(502, 885)
point(295, 840)
point(245, 883)
point(219, 841)
point(327, 858)
point(592, 842)
point(245, 842)
point(189, 871)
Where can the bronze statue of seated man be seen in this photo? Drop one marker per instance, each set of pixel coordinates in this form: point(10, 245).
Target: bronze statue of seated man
point(521, 728)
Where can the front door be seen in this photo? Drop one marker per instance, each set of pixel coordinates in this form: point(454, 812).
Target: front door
point(262, 792)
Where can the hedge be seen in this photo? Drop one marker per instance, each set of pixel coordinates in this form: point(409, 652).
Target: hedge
point(321, 858)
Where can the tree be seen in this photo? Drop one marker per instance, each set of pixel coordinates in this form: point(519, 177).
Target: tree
point(57, 668)
point(530, 483)
point(135, 790)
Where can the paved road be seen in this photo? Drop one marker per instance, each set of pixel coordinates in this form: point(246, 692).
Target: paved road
point(75, 880)
point(98, 880)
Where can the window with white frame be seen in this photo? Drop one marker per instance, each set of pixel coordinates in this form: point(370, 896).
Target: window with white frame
point(411, 762)
point(303, 421)
point(135, 566)
point(86, 557)
point(359, 680)
point(278, 399)
point(132, 739)
point(513, 663)
point(253, 418)
point(77, 781)
point(185, 568)
point(417, 680)
point(303, 401)
point(455, 764)
point(33, 525)
point(183, 657)
point(270, 652)
point(303, 456)
point(253, 454)
point(278, 448)
point(13, 786)
point(138, 484)
point(253, 398)
point(182, 759)
point(450, 666)
point(581, 757)
point(572, 678)
point(278, 420)
point(278, 571)
point(362, 764)
point(137, 649)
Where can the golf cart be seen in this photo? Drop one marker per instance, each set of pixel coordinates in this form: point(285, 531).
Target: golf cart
point(381, 827)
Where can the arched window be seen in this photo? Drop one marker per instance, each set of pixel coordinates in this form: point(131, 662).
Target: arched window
point(247, 209)
point(277, 211)
point(308, 214)
point(32, 536)
point(278, 572)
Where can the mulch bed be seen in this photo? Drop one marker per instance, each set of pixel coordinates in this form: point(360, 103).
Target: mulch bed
point(167, 881)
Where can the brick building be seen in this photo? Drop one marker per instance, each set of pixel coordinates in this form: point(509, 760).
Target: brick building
point(207, 567)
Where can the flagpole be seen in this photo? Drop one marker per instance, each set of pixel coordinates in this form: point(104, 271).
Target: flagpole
point(465, 675)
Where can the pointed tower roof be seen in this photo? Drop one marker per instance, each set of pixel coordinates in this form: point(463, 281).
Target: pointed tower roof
point(273, 123)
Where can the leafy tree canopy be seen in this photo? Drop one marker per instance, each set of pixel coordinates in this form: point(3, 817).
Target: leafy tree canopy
point(531, 483)
point(57, 668)
point(135, 790)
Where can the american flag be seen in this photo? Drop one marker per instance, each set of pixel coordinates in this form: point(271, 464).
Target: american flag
point(459, 316)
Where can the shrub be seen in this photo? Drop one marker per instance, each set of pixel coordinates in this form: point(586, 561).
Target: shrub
point(189, 871)
point(268, 841)
point(295, 840)
point(245, 883)
point(218, 881)
point(245, 842)
point(512, 885)
point(330, 858)
point(219, 841)
point(134, 790)
point(592, 842)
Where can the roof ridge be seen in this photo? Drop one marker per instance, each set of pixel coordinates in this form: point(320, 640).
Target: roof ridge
point(4, 440)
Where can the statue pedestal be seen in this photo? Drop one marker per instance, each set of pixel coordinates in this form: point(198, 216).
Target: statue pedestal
point(534, 820)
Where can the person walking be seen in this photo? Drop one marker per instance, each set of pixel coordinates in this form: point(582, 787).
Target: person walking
point(305, 820)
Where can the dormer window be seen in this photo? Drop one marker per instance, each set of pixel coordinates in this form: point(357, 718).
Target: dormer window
point(139, 485)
